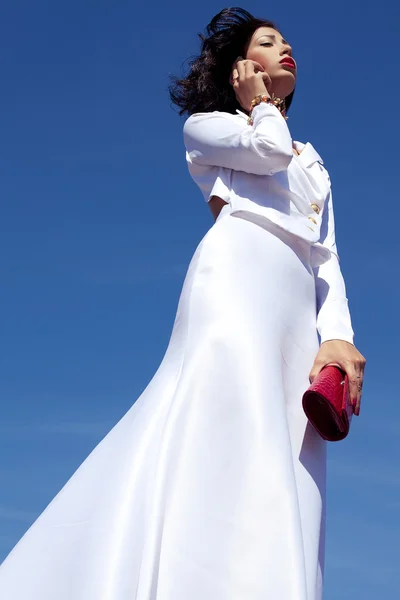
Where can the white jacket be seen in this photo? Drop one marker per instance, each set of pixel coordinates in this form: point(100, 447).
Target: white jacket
point(253, 168)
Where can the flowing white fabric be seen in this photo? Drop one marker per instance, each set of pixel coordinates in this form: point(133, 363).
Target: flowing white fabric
point(212, 486)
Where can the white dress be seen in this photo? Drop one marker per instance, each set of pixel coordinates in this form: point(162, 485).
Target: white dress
point(212, 486)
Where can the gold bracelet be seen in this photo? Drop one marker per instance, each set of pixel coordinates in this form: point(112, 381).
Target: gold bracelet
point(280, 105)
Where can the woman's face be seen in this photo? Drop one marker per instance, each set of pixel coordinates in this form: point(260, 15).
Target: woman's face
point(268, 48)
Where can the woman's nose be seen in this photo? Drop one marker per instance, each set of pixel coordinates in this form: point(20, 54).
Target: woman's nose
point(286, 49)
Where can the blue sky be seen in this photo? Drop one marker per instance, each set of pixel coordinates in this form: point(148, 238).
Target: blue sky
point(100, 220)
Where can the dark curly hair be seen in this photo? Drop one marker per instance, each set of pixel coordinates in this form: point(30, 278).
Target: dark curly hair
point(206, 87)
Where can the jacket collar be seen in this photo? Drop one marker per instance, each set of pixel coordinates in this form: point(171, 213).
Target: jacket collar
point(242, 114)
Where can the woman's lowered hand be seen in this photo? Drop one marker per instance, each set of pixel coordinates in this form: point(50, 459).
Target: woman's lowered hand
point(347, 357)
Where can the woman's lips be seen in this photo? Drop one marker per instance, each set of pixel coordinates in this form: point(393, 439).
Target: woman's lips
point(288, 62)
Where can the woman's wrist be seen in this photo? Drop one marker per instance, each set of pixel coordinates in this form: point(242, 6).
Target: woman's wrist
point(266, 98)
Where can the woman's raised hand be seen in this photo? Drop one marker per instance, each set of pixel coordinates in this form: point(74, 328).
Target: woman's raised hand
point(248, 80)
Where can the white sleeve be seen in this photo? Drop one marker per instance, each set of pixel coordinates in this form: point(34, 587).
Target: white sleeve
point(216, 139)
point(333, 318)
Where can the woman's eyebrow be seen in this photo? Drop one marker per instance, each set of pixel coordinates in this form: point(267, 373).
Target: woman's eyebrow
point(271, 35)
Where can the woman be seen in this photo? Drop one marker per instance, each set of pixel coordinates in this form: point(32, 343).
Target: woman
point(212, 486)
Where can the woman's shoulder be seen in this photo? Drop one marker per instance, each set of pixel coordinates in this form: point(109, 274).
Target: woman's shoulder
point(237, 117)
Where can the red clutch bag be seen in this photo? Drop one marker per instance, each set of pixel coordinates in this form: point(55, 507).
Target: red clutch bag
point(327, 404)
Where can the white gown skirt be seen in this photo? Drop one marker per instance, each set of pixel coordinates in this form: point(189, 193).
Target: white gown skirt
point(212, 486)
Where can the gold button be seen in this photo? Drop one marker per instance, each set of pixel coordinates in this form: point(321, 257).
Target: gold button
point(311, 228)
point(315, 208)
point(313, 220)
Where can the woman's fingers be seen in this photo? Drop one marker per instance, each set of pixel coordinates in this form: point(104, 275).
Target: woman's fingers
point(244, 68)
point(358, 379)
point(253, 66)
point(267, 80)
point(355, 373)
point(258, 66)
point(353, 387)
point(241, 69)
point(348, 358)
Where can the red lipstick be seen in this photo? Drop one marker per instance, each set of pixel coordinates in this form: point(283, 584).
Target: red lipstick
point(288, 61)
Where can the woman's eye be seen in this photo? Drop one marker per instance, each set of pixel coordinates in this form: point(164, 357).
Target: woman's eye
point(267, 44)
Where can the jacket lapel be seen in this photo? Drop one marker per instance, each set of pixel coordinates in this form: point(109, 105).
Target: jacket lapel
point(311, 164)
